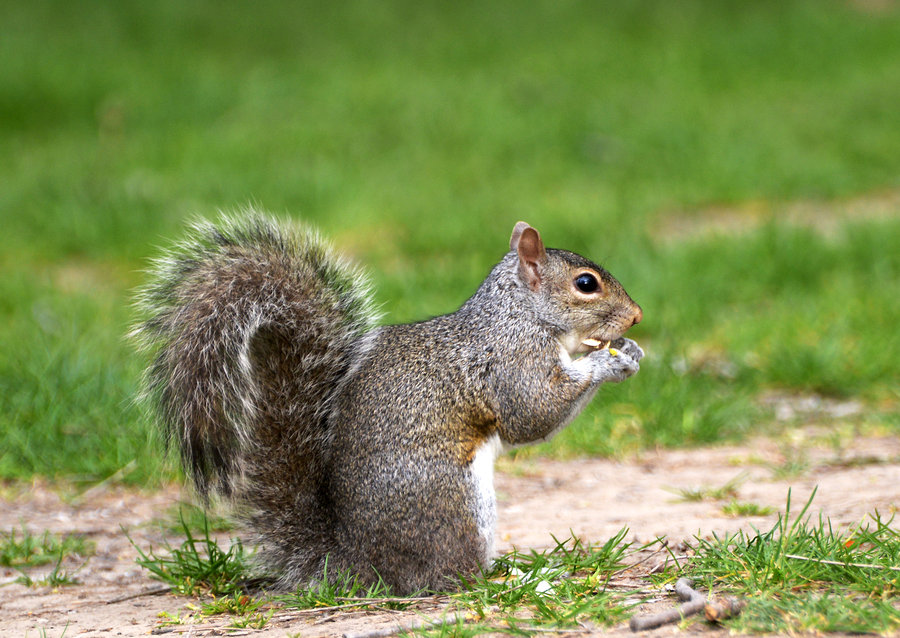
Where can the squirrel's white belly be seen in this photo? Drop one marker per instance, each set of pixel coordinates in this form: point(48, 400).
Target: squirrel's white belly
point(482, 469)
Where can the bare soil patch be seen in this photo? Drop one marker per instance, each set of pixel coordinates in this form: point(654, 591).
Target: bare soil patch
point(826, 218)
point(590, 497)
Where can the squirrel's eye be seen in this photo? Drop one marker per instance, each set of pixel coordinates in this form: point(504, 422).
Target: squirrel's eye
point(587, 283)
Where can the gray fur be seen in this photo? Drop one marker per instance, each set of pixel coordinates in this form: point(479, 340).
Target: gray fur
point(337, 439)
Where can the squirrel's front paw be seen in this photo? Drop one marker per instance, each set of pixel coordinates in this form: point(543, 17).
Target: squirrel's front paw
point(629, 347)
point(618, 362)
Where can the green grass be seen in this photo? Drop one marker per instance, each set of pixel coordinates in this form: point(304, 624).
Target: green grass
point(737, 508)
point(344, 590)
point(556, 588)
point(200, 565)
point(26, 550)
point(805, 575)
point(801, 575)
point(246, 610)
point(709, 493)
point(56, 577)
point(416, 135)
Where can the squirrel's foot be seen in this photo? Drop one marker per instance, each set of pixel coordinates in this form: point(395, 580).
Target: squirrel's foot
point(617, 362)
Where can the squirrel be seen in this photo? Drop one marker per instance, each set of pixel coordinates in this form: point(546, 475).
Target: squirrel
point(353, 447)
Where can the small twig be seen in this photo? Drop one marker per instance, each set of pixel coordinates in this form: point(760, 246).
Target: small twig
point(637, 589)
point(204, 630)
point(360, 602)
point(841, 564)
point(647, 558)
point(554, 630)
point(317, 610)
point(317, 621)
point(395, 599)
point(153, 591)
point(419, 623)
point(694, 605)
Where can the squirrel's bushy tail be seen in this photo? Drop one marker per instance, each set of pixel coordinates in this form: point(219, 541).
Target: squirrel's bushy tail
point(252, 324)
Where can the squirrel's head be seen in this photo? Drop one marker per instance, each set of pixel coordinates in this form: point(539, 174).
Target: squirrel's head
point(592, 305)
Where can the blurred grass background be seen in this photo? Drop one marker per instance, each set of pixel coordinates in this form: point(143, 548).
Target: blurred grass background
point(415, 135)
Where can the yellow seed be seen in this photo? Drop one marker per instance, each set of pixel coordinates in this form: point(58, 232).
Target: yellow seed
point(613, 351)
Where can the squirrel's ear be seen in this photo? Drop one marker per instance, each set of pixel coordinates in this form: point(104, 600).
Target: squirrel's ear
point(527, 243)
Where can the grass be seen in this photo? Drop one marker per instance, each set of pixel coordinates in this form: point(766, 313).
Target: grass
point(557, 588)
point(26, 550)
point(741, 508)
point(523, 592)
point(801, 575)
point(56, 577)
point(343, 591)
point(708, 493)
point(804, 575)
point(398, 129)
point(245, 610)
point(200, 565)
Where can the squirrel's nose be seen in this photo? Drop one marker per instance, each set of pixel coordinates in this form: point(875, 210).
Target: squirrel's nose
point(638, 315)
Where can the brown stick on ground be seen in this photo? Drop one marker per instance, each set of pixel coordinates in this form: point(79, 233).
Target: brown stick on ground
point(152, 591)
point(694, 605)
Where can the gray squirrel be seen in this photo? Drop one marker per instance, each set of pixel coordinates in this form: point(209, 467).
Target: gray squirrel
point(349, 447)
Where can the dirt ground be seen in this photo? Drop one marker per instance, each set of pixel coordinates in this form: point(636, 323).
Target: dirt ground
point(592, 498)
